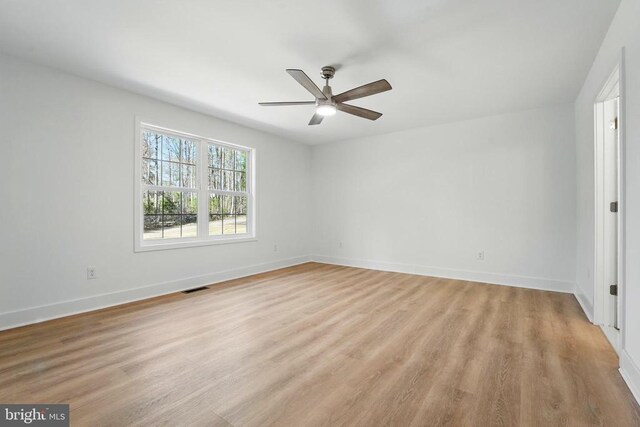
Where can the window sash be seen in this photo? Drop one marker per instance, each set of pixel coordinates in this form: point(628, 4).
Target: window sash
point(202, 190)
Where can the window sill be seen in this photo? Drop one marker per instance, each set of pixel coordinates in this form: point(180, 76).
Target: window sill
point(147, 247)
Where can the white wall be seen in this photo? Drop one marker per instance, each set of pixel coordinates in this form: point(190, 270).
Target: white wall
point(428, 200)
point(67, 198)
point(624, 32)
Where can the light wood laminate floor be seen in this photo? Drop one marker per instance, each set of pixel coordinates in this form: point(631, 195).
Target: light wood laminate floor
point(325, 345)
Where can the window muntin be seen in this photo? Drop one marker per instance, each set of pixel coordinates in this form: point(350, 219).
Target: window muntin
point(169, 161)
point(170, 214)
point(227, 214)
point(227, 190)
point(185, 199)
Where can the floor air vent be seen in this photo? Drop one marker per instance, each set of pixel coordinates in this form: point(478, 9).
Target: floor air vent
point(189, 291)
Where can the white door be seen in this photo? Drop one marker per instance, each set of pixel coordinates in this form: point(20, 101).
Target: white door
point(610, 208)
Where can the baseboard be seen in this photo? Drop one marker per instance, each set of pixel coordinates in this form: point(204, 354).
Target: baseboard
point(631, 374)
point(474, 276)
point(66, 308)
point(586, 305)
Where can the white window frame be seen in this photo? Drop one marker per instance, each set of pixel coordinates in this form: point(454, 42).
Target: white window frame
point(202, 190)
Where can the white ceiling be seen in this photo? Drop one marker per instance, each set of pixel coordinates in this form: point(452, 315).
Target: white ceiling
point(447, 60)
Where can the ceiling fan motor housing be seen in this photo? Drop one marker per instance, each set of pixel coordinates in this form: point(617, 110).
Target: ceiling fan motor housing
point(326, 107)
point(327, 91)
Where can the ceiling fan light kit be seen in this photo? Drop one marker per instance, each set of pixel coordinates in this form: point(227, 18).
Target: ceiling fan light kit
point(326, 103)
point(326, 109)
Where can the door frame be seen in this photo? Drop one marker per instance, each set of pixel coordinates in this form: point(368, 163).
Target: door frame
point(613, 87)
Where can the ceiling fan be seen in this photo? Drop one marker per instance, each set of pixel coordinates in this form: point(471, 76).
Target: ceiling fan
point(327, 103)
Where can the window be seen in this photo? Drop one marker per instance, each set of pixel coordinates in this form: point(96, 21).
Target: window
point(191, 190)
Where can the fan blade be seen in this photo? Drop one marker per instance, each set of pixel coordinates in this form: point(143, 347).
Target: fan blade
point(362, 91)
point(279, 104)
point(308, 84)
point(358, 111)
point(316, 119)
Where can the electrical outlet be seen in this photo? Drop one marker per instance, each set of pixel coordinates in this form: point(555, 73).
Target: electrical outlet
point(340, 245)
point(91, 273)
point(275, 248)
point(481, 256)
